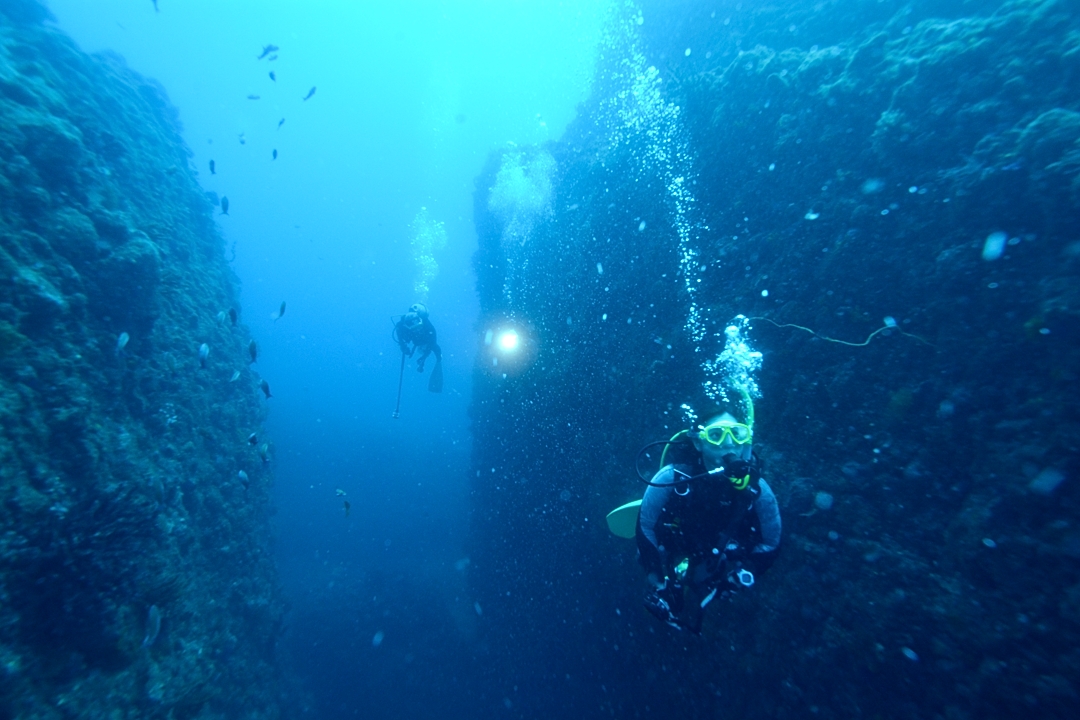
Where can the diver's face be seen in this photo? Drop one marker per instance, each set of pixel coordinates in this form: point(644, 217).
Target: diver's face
point(713, 455)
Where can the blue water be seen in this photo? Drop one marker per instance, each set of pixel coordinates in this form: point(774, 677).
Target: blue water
point(411, 97)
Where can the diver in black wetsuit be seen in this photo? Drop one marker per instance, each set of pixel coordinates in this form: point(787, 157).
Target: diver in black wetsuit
point(414, 332)
point(708, 522)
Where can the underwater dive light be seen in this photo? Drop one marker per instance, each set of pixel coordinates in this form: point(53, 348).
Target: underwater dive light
point(509, 347)
point(509, 341)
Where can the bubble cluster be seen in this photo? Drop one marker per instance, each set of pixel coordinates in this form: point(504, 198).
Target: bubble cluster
point(520, 199)
point(641, 121)
point(643, 124)
point(427, 236)
point(736, 367)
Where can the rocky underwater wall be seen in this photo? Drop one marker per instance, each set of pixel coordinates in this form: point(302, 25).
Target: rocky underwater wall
point(135, 575)
point(838, 166)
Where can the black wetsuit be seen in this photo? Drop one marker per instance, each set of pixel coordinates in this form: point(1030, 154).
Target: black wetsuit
point(419, 337)
point(708, 522)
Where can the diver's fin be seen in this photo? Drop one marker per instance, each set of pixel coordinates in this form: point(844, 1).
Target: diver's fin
point(435, 381)
point(623, 520)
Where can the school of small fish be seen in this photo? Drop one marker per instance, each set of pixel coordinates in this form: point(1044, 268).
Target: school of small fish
point(231, 316)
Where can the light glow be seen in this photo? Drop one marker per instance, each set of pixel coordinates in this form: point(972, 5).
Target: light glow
point(509, 341)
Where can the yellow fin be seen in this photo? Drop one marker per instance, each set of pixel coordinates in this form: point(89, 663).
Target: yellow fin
point(623, 520)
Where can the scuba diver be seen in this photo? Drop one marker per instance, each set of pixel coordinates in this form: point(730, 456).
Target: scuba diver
point(414, 332)
point(708, 521)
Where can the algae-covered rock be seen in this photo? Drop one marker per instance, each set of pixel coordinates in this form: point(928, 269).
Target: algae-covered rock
point(111, 270)
point(74, 237)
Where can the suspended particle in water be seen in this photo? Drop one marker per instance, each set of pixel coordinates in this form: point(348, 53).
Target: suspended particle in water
point(823, 501)
point(377, 640)
point(994, 246)
point(873, 185)
point(641, 227)
point(599, 268)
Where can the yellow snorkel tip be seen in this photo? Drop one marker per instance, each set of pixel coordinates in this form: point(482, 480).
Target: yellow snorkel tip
point(749, 409)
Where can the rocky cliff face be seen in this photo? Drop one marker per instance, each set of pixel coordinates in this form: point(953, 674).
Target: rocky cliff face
point(134, 574)
point(836, 166)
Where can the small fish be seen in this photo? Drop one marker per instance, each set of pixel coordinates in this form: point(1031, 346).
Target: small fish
point(224, 205)
point(233, 316)
point(235, 376)
point(264, 452)
point(253, 97)
point(253, 439)
point(121, 343)
point(348, 507)
point(275, 153)
point(253, 351)
point(265, 387)
point(267, 50)
point(339, 492)
point(243, 476)
point(204, 352)
point(243, 140)
point(310, 93)
point(280, 123)
point(155, 5)
point(213, 171)
point(273, 76)
point(281, 311)
point(272, 58)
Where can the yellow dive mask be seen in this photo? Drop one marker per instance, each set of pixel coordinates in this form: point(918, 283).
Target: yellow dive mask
point(715, 433)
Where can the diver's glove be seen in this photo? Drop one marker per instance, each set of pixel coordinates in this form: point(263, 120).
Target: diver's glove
point(665, 603)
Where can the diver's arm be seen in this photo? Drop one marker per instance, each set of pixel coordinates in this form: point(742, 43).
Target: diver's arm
point(652, 505)
point(768, 513)
point(401, 335)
